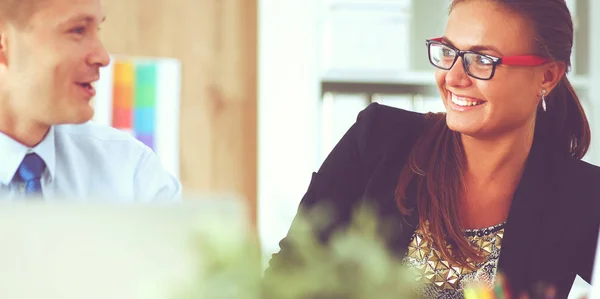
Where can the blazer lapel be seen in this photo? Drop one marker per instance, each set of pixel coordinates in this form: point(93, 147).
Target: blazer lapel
point(525, 220)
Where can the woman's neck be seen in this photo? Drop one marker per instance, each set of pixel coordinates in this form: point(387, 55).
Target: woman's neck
point(493, 172)
point(499, 157)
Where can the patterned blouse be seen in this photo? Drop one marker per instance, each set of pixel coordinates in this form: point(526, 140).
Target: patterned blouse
point(439, 278)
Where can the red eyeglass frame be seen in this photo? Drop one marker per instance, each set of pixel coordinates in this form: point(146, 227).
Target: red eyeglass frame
point(520, 60)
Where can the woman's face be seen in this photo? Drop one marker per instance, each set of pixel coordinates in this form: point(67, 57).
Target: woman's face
point(506, 103)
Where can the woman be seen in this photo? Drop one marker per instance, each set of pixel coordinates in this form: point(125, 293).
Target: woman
point(496, 183)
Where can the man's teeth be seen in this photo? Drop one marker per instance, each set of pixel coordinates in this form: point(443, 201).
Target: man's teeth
point(464, 102)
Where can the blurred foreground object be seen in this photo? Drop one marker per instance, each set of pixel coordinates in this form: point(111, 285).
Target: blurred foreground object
point(73, 251)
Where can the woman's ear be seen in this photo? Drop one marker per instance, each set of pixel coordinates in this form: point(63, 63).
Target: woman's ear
point(552, 73)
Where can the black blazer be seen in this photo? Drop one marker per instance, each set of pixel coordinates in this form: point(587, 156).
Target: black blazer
point(553, 223)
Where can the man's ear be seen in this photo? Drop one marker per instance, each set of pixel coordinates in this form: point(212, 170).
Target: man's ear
point(3, 44)
point(552, 74)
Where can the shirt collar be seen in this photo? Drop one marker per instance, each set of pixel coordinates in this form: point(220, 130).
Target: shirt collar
point(47, 151)
point(13, 153)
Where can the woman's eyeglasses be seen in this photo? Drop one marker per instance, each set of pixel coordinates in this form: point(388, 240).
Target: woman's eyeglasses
point(477, 65)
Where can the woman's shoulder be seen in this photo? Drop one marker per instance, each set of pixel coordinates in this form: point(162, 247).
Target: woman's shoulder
point(386, 116)
point(380, 129)
point(583, 174)
point(378, 123)
point(573, 215)
point(581, 180)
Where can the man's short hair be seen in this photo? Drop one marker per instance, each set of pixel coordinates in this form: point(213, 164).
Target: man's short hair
point(18, 12)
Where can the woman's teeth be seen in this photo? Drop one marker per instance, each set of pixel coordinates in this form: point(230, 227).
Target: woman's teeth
point(465, 102)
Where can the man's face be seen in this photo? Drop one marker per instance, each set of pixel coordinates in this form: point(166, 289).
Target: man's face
point(48, 64)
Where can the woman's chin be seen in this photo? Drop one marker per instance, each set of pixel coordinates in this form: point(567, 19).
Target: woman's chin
point(463, 125)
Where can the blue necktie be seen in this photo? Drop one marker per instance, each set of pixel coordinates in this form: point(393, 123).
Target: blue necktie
point(30, 171)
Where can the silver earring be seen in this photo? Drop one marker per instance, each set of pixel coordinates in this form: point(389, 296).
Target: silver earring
point(544, 99)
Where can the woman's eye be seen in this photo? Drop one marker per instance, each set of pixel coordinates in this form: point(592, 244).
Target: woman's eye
point(483, 60)
point(447, 52)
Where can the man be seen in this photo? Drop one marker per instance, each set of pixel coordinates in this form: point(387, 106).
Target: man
point(50, 54)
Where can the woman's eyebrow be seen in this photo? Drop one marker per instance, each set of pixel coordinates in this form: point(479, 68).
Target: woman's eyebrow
point(475, 47)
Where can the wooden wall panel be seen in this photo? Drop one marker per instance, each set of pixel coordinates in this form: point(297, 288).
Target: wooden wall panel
point(216, 40)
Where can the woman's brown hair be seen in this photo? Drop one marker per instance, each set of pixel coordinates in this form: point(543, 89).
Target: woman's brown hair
point(437, 161)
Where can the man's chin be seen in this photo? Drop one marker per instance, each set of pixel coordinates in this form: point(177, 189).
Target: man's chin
point(78, 117)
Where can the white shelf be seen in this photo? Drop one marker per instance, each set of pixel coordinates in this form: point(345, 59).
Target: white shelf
point(380, 77)
point(425, 78)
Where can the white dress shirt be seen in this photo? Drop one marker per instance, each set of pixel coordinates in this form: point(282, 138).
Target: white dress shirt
point(90, 162)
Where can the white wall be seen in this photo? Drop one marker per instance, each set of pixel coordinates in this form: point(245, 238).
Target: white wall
point(594, 83)
point(287, 112)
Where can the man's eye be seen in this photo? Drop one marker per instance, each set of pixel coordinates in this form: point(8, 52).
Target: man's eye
point(78, 30)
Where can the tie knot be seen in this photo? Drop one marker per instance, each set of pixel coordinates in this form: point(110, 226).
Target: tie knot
point(31, 168)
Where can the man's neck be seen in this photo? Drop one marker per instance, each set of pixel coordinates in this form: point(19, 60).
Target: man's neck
point(19, 128)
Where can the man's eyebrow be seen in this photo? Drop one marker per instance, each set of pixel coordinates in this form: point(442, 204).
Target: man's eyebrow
point(475, 47)
point(83, 17)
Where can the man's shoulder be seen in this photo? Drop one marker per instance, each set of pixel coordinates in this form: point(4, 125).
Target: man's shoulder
point(93, 134)
point(100, 144)
point(93, 131)
point(119, 161)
